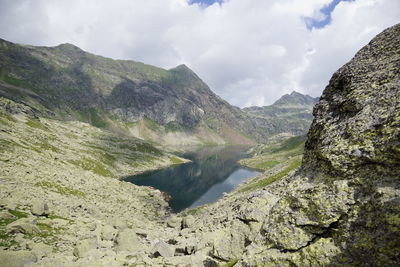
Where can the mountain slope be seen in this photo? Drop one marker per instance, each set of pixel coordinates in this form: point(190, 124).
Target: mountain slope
point(69, 83)
point(291, 114)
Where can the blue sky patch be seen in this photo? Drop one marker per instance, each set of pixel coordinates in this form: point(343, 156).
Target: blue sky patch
point(205, 2)
point(327, 12)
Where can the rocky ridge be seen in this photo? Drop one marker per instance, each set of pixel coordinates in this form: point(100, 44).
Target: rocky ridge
point(291, 115)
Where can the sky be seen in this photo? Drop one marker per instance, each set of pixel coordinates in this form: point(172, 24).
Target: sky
point(249, 52)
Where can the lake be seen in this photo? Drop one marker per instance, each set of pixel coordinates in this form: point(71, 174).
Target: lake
point(212, 172)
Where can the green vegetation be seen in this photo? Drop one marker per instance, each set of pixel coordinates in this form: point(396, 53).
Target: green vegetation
point(6, 239)
point(192, 211)
point(93, 166)
point(60, 189)
point(292, 143)
point(267, 164)
point(174, 126)
point(176, 160)
point(18, 214)
point(276, 155)
point(35, 123)
point(231, 263)
point(152, 125)
point(269, 180)
point(92, 116)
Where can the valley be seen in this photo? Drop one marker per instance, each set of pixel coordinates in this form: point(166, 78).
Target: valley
point(74, 126)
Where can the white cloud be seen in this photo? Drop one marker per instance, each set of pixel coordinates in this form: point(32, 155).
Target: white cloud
point(249, 52)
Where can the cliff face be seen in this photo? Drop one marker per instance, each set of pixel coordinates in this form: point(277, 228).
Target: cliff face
point(356, 128)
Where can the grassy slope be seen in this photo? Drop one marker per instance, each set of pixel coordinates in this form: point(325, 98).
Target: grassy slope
point(276, 160)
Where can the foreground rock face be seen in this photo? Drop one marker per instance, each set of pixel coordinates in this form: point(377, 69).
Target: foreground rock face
point(356, 130)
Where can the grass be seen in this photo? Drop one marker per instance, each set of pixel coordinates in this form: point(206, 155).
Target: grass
point(230, 264)
point(7, 239)
point(93, 166)
point(176, 160)
point(267, 165)
point(34, 123)
point(273, 178)
point(152, 125)
point(291, 144)
point(60, 189)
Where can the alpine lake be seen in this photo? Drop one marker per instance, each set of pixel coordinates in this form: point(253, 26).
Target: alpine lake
point(212, 172)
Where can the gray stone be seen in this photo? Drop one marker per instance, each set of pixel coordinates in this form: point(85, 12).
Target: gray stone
point(174, 222)
point(84, 247)
point(187, 221)
point(127, 240)
point(40, 208)
point(24, 226)
point(108, 232)
point(163, 249)
point(16, 258)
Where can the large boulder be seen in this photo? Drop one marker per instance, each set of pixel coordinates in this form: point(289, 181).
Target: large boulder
point(83, 248)
point(127, 240)
point(163, 249)
point(40, 208)
point(24, 226)
point(16, 258)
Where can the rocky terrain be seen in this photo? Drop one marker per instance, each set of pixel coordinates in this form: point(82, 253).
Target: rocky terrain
point(340, 208)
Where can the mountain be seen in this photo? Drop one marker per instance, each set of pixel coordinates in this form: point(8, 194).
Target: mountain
point(166, 106)
point(290, 115)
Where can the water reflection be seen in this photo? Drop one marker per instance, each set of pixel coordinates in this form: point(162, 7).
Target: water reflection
point(213, 171)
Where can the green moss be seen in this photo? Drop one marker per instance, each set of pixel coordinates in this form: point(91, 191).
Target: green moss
point(34, 123)
point(176, 160)
point(93, 166)
point(174, 126)
point(192, 211)
point(18, 214)
point(152, 125)
point(267, 165)
point(7, 239)
point(230, 264)
point(269, 180)
point(60, 189)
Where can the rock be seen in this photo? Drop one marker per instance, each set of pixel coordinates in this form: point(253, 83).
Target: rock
point(6, 215)
point(187, 221)
point(82, 249)
point(127, 240)
point(174, 222)
point(119, 224)
point(16, 258)
point(209, 262)
point(108, 233)
point(162, 249)
point(24, 226)
point(40, 250)
point(40, 208)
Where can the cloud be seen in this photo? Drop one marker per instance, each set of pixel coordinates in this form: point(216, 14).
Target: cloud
point(249, 52)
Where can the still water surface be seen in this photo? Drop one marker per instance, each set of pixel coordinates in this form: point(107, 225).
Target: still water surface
point(212, 172)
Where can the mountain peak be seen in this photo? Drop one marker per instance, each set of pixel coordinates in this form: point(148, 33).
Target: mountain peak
point(296, 99)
